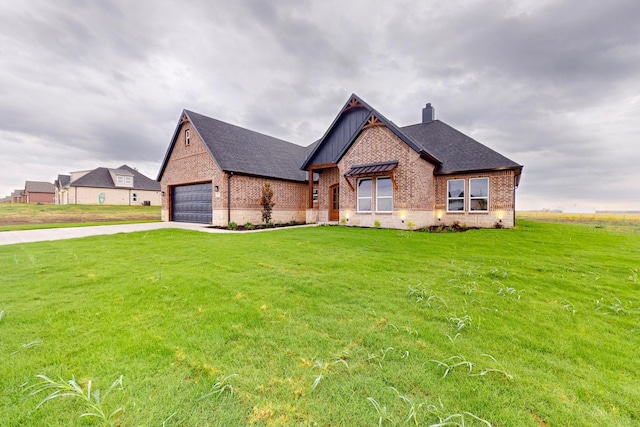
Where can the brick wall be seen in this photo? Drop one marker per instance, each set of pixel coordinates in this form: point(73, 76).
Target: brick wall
point(32, 197)
point(413, 175)
point(246, 193)
point(191, 164)
point(501, 202)
point(412, 199)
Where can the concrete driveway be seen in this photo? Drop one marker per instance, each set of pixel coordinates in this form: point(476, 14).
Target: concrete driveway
point(27, 236)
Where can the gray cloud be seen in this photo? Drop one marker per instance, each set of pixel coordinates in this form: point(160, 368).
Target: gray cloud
point(553, 85)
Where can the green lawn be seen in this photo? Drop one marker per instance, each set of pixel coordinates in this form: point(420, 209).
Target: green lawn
point(327, 326)
point(24, 216)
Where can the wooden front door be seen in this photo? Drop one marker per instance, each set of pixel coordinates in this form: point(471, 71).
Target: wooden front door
point(334, 203)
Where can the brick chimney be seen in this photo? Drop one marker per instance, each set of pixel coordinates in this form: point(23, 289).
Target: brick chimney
point(428, 113)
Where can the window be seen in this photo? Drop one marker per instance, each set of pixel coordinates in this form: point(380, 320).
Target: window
point(479, 194)
point(364, 195)
point(187, 137)
point(124, 180)
point(384, 195)
point(455, 195)
point(134, 197)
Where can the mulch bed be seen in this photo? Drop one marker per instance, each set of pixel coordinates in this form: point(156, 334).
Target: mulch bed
point(257, 226)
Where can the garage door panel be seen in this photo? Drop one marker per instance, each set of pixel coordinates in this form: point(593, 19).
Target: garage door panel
point(192, 203)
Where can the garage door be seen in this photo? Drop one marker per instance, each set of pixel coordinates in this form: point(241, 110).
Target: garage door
point(191, 203)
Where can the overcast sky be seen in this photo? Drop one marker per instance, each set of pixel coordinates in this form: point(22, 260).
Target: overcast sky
point(553, 85)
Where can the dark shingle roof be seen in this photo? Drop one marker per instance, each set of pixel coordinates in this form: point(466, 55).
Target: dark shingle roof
point(457, 151)
point(39, 187)
point(63, 181)
point(101, 178)
point(244, 151)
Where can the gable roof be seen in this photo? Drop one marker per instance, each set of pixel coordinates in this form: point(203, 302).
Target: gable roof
point(62, 181)
point(448, 149)
point(101, 178)
point(352, 119)
point(39, 187)
point(457, 151)
point(244, 151)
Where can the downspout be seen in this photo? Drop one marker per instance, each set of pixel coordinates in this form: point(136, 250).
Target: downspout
point(229, 197)
point(514, 206)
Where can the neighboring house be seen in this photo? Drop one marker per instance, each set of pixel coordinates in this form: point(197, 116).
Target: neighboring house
point(62, 189)
point(119, 186)
point(365, 170)
point(39, 192)
point(18, 196)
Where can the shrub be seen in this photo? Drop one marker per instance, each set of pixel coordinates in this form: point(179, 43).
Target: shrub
point(249, 226)
point(232, 225)
point(267, 202)
point(270, 224)
point(411, 225)
point(376, 224)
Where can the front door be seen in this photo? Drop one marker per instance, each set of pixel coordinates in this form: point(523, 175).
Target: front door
point(334, 202)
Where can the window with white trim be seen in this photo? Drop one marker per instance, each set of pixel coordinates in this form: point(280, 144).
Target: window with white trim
point(479, 194)
point(364, 195)
point(384, 194)
point(187, 137)
point(455, 195)
point(124, 180)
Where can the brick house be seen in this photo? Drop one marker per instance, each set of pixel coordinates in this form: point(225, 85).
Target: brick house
point(110, 186)
point(17, 196)
point(363, 171)
point(38, 192)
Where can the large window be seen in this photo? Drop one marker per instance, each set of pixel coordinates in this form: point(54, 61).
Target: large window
point(455, 195)
point(364, 195)
point(479, 194)
point(384, 195)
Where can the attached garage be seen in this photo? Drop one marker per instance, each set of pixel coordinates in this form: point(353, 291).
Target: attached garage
point(192, 203)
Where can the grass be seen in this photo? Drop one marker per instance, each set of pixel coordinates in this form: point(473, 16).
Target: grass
point(619, 221)
point(327, 326)
point(23, 216)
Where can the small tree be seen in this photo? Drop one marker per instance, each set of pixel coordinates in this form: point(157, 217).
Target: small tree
point(267, 202)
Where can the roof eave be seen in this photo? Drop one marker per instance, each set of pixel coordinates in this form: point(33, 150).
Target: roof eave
point(517, 168)
point(255, 175)
point(430, 158)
